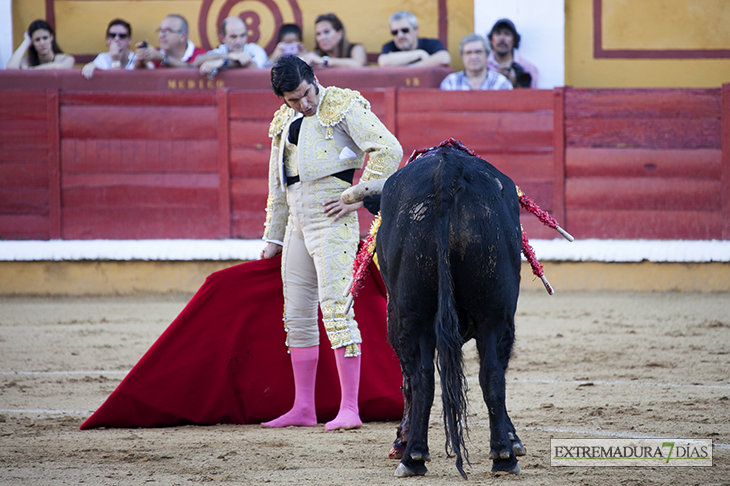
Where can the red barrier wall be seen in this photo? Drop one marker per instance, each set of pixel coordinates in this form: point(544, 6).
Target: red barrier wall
point(166, 158)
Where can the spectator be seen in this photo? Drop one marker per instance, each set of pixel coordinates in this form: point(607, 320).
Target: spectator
point(407, 49)
point(332, 49)
point(118, 40)
point(43, 52)
point(503, 58)
point(476, 75)
point(288, 43)
point(175, 50)
point(235, 52)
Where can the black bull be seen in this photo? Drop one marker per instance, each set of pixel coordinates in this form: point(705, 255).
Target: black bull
point(449, 250)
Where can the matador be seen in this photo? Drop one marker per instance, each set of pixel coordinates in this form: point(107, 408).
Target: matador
point(320, 137)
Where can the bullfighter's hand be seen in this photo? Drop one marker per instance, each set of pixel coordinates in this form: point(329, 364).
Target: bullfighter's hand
point(270, 251)
point(335, 207)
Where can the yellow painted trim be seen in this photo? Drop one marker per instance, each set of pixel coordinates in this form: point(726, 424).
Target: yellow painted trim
point(639, 277)
point(143, 277)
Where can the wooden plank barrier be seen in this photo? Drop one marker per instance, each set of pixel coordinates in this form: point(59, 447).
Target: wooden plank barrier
point(143, 169)
point(644, 163)
point(512, 130)
point(83, 159)
point(24, 174)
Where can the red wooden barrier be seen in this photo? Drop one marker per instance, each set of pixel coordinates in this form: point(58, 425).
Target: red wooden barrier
point(644, 164)
point(84, 159)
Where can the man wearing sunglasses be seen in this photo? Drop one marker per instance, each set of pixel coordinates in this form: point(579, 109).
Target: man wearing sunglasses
point(175, 51)
point(407, 49)
point(118, 39)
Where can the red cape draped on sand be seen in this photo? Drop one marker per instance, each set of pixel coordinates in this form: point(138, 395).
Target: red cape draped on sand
point(223, 359)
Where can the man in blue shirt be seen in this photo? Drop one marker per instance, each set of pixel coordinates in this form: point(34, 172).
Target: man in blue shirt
point(407, 49)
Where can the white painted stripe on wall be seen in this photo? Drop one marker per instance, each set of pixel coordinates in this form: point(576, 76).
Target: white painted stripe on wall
point(590, 250)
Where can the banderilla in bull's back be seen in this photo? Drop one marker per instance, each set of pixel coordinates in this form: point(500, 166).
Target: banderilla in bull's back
point(358, 192)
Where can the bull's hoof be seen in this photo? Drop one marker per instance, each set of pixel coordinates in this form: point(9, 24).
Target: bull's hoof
point(499, 472)
point(494, 455)
point(396, 452)
point(403, 471)
point(421, 456)
point(518, 448)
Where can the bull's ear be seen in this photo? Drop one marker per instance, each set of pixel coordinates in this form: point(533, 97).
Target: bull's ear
point(372, 203)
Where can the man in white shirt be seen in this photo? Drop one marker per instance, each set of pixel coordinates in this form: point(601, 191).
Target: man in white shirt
point(476, 75)
point(118, 39)
point(234, 52)
point(175, 51)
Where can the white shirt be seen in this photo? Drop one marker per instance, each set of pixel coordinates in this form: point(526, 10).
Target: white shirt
point(104, 61)
point(260, 58)
point(459, 82)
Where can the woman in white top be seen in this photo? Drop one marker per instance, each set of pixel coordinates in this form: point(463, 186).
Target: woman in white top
point(41, 48)
point(118, 39)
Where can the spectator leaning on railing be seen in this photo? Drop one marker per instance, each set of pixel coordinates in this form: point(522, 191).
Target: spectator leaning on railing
point(118, 39)
point(407, 49)
point(39, 43)
point(332, 49)
point(175, 51)
point(235, 52)
point(476, 75)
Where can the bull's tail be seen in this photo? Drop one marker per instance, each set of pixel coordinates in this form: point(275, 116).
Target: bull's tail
point(450, 361)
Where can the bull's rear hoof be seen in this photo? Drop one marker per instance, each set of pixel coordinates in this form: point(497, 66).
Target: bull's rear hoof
point(395, 453)
point(518, 448)
point(420, 456)
point(514, 470)
point(494, 455)
point(403, 471)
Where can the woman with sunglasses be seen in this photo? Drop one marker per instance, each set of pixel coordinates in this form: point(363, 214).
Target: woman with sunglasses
point(39, 43)
point(118, 39)
point(332, 49)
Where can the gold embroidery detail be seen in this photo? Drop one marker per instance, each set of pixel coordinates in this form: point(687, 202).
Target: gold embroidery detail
point(279, 121)
point(341, 328)
point(334, 105)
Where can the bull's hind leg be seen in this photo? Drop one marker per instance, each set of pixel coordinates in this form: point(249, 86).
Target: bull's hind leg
point(494, 345)
point(418, 366)
point(401, 439)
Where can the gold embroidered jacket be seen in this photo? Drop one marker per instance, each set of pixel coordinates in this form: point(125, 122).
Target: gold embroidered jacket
point(336, 138)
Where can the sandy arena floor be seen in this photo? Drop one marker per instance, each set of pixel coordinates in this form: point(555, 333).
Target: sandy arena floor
point(585, 365)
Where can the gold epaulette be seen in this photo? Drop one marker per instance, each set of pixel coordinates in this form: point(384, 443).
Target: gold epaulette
point(334, 105)
point(280, 118)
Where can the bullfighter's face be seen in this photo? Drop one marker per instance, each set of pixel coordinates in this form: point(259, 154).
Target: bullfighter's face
point(304, 99)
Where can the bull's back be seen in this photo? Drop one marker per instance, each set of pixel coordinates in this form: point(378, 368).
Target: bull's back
point(482, 225)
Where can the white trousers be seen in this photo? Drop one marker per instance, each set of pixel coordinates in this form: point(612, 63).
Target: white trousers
point(316, 267)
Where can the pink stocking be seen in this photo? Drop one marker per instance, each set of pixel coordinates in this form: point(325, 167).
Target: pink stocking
point(349, 371)
point(303, 413)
